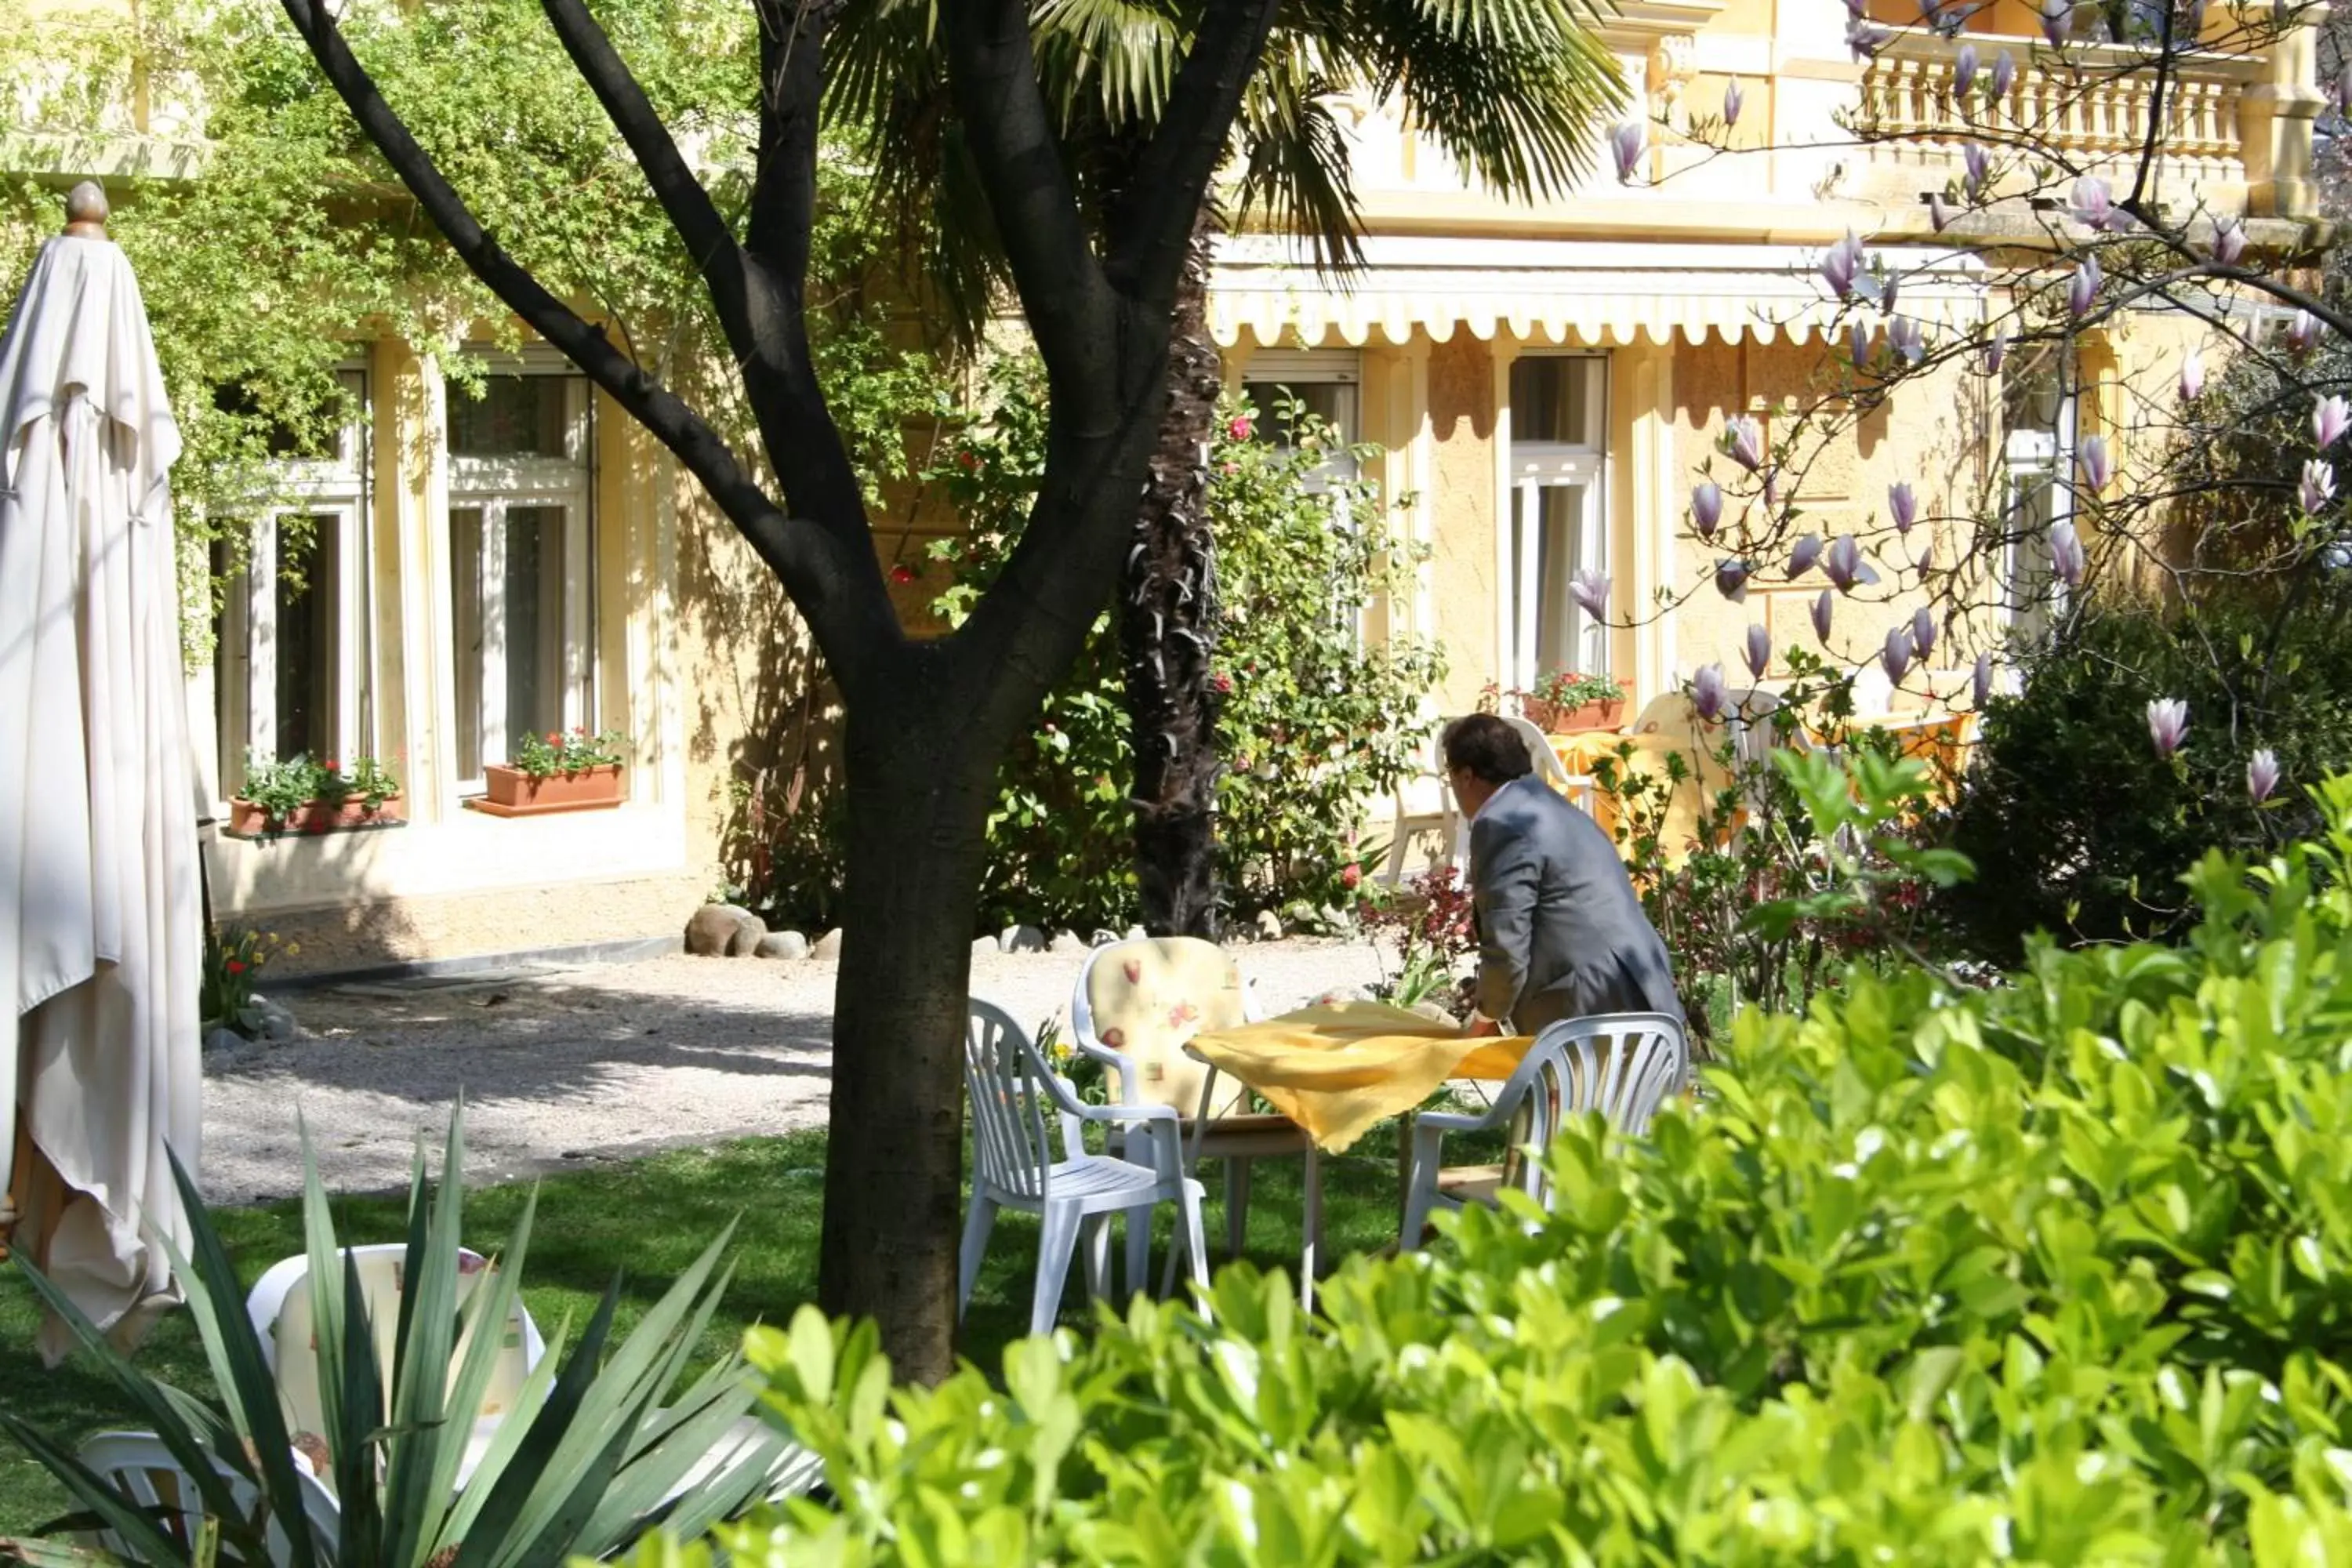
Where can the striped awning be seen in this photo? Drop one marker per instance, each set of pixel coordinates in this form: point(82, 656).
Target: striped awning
point(1560, 291)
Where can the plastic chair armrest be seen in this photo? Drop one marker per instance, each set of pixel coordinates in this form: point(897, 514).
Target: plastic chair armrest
point(1130, 1072)
point(1446, 1122)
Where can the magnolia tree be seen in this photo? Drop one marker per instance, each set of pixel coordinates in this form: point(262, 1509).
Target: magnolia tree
point(2142, 404)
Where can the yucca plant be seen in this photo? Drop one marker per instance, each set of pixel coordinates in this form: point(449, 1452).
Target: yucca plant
point(589, 1458)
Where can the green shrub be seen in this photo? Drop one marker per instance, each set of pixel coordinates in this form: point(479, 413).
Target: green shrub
point(2077, 826)
point(2051, 1273)
point(1315, 720)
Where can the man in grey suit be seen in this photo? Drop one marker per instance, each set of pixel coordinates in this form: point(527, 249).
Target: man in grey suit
point(1561, 930)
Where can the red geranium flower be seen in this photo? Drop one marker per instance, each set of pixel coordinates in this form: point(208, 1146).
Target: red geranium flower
point(553, 739)
point(333, 766)
point(902, 572)
point(237, 966)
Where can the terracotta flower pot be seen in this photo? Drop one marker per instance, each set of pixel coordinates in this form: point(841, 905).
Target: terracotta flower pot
point(1603, 713)
point(513, 793)
point(247, 819)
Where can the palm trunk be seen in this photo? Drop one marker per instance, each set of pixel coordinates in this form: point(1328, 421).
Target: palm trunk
point(917, 844)
point(1168, 633)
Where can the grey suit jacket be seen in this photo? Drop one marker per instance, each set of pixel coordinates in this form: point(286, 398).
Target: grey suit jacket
point(1561, 930)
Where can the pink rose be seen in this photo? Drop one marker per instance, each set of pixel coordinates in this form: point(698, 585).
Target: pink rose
point(1239, 429)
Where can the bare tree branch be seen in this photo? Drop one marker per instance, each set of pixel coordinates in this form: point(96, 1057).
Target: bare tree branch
point(1153, 225)
point(837, 589)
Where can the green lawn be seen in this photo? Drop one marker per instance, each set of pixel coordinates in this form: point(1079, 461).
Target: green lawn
point(647, 1220)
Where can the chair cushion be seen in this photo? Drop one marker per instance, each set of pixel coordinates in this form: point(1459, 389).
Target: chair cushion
point(1146, 998)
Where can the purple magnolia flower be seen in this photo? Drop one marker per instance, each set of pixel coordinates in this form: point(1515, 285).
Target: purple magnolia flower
point(2193, 376)
point(1706, 507)
point(1980, 685)
point(2083, 292)
point(1926, 559)
point(1902, 505)
point(2168, 725)
point(1977, 160)
point(1964, 70)
point(2229, 241)
point(2097, 468)
point(1857, 337)
point(1857, 10)
point(2317, 488)
point(1590, 589)
point(2066, 557)
point(1743, 441)
point(1863, 41)
point(1996, 350)
point(1844, 565)
point(1731, 579)
point(1923, 631)
point(1842, 265)
point(2093, 205)
point(1708, 694)
point(1824, 605)
point(2261, 774)
point(1802, 558)
point(2057, 17)
point(1898, 657)
point(1886, 286)
point(2004, 75)
point(1732, 101)
point(1625, 145)
point(1759, 652)
point(1939, 214)
point(1906, 336)
point(2302, 334)
point(2329, 419)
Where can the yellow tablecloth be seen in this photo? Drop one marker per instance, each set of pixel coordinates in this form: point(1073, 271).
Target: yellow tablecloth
point(1338, 1070)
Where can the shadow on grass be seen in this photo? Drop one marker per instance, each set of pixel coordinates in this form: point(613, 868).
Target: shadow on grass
point(646, 1221)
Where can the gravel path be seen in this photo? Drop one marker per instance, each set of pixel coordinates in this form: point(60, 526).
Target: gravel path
point(590, 1064)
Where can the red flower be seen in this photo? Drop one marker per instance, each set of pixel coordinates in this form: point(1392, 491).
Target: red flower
point(902, 573)
point(333, 766)
point(970, 460)
point(1350, 875)
point(553, 739)
point(1239, 429)
point(237, 966)
point(1222, 683)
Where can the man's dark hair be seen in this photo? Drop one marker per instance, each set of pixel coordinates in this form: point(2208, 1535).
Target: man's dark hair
point(1490, 748)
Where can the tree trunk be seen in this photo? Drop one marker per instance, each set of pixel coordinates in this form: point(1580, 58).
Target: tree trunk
point(1167, 632)
point(916, 840)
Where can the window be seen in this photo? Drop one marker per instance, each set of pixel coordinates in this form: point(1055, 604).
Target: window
point(2038, 419)
point(519, 559)
point(1323, 382)
point(295, 661)
point(1558, 524)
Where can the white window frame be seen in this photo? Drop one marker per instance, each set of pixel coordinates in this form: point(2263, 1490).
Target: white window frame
point(1530, 468)
point(2031, 600)
point(1316, 367)
point(336, 489)
point(493, 485)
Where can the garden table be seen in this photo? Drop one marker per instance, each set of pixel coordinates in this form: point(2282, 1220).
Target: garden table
point(1336, 1070)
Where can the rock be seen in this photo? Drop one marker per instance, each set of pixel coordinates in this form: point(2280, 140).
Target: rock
point(986, 947)
point(269, 1021)
point(724, 930)
point(828, 945)
point(1136, 934)
point(1021, 939)
point(223, 1040)
point(1067, 942)
point(1337, 918)
point(1269, 926)
point(782, 944)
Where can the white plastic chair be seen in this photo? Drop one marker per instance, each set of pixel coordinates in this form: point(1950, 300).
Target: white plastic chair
point(1014, 1097)
point(142, 1468)
point(1158, 1071)
point(1578, 787)
point(1445, 816)
point(1623, 1065)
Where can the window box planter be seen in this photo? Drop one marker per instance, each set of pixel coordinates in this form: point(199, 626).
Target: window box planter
point(249, 819)
point(513, 793)
point(1552, 719)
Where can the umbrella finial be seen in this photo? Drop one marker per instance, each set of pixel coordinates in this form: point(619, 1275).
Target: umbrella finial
point(86, 210)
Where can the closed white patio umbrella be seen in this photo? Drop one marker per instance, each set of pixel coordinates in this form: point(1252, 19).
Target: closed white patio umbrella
point(101, 939)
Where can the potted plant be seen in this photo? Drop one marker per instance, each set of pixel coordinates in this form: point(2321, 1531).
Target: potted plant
point(298, 796)
point(557, 771)
point(1565, 702)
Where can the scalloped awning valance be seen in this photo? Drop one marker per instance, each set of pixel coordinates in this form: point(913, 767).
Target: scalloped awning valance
point(1560, 292)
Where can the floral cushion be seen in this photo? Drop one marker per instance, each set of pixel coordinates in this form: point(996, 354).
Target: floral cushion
point(1146, 999)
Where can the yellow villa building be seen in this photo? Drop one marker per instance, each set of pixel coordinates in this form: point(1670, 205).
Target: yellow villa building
point(1545, 382)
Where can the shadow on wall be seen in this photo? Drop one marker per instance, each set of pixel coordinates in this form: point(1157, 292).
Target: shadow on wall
point(763, 735)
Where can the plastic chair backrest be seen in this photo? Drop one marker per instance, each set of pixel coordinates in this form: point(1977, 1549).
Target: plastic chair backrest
point(279, 1308)
point(1145, 1000)
point(137, 1465)
point(1014, 1116)
point(1623, 1065)
point(1547, 762)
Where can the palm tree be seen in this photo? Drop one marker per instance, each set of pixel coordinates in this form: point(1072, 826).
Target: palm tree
point(1515, 90)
